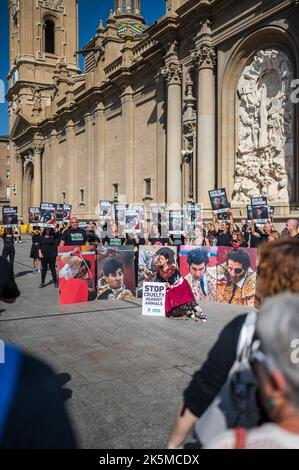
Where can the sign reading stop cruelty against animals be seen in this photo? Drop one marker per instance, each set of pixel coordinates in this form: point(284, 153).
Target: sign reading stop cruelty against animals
point(153, 303)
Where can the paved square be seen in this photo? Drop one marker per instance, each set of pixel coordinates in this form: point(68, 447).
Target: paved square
point(128, 371)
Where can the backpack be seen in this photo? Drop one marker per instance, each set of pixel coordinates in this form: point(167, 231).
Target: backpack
point(9, 373)
point(235, 405)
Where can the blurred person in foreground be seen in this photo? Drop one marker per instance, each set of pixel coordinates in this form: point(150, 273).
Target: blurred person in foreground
point(276, 366)
point(278, 272)
point(32, 413)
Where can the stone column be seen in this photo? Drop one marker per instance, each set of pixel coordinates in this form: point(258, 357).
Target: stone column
point(173, 74)
point(100, 152)
point(37, 190)
point(19, 185)
point(91, 193)
point(128, 142)
point(71, 165)
point(206, 156)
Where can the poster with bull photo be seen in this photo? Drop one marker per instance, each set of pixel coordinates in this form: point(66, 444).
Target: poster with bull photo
point(193, 219)
point(59, 213)
point(67, 212)
point(259, 208)
point(140, 225)
point(159, 224)
point(149, 263)
point(116, 273)
point(219, 203)
point(176, 222)
point(198, 265)
point(34, 215)
point(9, 216)
point(120, 218)
point(47, 214)
point(76, 268)
point(236, 276)
point(106, 210)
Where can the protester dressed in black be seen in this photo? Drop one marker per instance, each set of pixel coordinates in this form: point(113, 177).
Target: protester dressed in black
point(48, 255)
point(9, 246)
point(36, 238)
point(74, 236)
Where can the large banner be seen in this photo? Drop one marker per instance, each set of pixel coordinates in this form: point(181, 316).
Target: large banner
point(149, 263)
point(48, 214)
point(198, 265)
point(34, 215)
point(9, 216)
point(236, 276)
point(116, 273)
point(76, 266)
point(220, 274)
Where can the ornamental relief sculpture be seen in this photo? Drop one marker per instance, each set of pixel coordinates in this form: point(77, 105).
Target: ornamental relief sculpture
point(265, 160)
point(54, 5)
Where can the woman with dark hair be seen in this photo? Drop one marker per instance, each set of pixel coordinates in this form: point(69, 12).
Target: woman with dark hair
point(9, 245)
point(179, 300)
point(48, 254)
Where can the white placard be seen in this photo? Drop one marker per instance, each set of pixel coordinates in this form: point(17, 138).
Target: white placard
point(153, 302)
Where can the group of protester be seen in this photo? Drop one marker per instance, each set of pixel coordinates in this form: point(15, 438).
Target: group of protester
point(275, 369)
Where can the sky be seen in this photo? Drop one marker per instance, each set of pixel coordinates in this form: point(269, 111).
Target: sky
point(90, 12)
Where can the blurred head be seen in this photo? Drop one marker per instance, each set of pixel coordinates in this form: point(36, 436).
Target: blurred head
point(197, 261)
point(276, 363)
point(267, 228)
point(292, 227)
point(115, 230)
point(278, 268)
point(197, 232)
point(48, 231)
point(114, 273)
point(155, 230)
point(74, 223)
point(90, 228)
point(238, 262)
point(273, 235)
point(224, 227)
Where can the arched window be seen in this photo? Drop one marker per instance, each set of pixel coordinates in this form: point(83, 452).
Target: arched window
point(50, 36)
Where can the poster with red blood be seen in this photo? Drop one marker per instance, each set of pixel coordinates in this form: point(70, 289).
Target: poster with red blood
point(76, 266)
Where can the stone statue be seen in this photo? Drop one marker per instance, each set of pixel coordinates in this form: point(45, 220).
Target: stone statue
point(264, 162)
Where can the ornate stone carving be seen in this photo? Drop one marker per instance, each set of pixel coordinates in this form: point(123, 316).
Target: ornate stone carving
point(54, 5)
point(27, 160)
point(14, 7)
point(204, 56)
point(172, 73)
point(264, 163)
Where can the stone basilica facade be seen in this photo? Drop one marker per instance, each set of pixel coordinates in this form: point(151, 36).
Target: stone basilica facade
point(203, 98)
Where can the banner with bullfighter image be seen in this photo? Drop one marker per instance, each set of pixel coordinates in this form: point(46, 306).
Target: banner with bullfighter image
point(76, 267)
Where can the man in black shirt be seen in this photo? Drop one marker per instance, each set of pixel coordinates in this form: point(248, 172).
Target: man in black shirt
point(74, 236)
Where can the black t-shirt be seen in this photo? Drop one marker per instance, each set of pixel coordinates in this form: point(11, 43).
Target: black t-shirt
point(48, 245)
point(256, 241)
point(208, 381)
point(9, 241)
point(76, 237)
point(159, 240)
point(224, 239)
point(114, 241)
point(36, 238)
point(37, 418)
